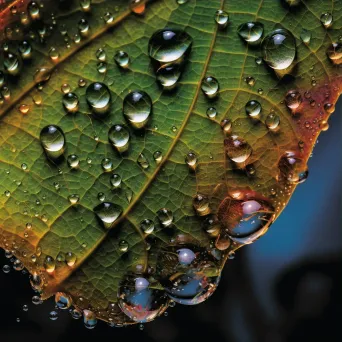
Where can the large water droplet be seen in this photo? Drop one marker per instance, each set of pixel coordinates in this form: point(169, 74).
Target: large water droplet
point(168, 75)
point(137, 107)
point(238, 150)
point(119, 137)
point(293, 168)
point(52, 140)
point(326, 19)
point(279, 49)
point(246, 219)
point(253, 108)
point(108, 213)
point(210, 86)
point(201, 205)
point(169, 45)
point(251, 32)
point(98, 97)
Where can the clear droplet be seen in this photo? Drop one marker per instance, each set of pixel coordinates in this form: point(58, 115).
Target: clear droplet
point(85, 5)
point(221, 18)
point(253, 108)
point(119, 137)
point(305, 36)
point(63, 300)
point(52, 140)
point(107, 164)
point(158, 157)
point(226, 125)
point(83, 26)
point(142, 161)
point(101, 196)
point(33, 10)
point(53, 315)
point(147, 226)
point(108, 18)
point(326, 19)
point(24, 109)
point(49, 264)
point(191, 160)
point(122, 59)
point(74, 199)
point(137, 107)
point(76, 314)
point(98, 98)
point(25, 49)
point(279, 49)
point(168, 75)
point(211, 113)
point(169, 45)
point(6, 268)
point(238, 150)
point(89, 319)
point(251, 32)
point(108, 213)
point(82, 83)
point(201, 205)
point(102, 67)
point(42, 75)
point(11, 63)
point(73, 161)
point(165, 217)
point(293, 99)
point(123, 246)
point(293, 168)
point(70, 259)
point(71, 102)
point(334, 52)
point(138, 6)
point(272, 121)
point(115, 181)
point(210, 86)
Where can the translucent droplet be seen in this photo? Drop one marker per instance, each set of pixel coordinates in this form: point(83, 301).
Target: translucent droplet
point(18, 265)
point(63, 300)
point(115, 181)
point(36, 300)
point(226, 125)
point(245, 220)
point(158, 157)
point(11, 63)
point(293, 99)
point(329, 107)
point(142, 161)
point(123, 246)
point(60, 257)
point(25, 49)
point(82, 83)
point(49, 264)
point(24, 109)
point(324, 126)
point(101, 55)
point(101, 196)
point(2, 78)
point(305, 36)
point(251, 32)
point(74, 199)
point(102, 67)
point(6, 268)
point(65, 88)
point(253, 108)
point(279, 49)
point(108, 213)
point(42, 75)
point(70, 259)
point(181, 2)
point(238, 150)
point(73, 161)
point(137, 107)
point(108, 18)
point(98, 97)
point(168, 75)
point(210, 86)
point(293, 168)
point(326, 19)
point(70, 102)
point(165, 217)
point(138, 6)
point(272, 121)
point(211, 113)
point(33, 10)
point(334, 52)
point(107, 164)
point(169, 45)
point(221, 18)
point(85, 5)
point(89, 319)
point(83, 26)
point(25, 308)
point(52, 140)
point(122, 59)
point(201, 205)
point(191, 160)
point(211, 225)
point(147, 226)
point(76, 314)
point(119, 137)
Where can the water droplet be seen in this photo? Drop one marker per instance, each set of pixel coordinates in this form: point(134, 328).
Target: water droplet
point(169, 45)
point(168, 75)
point(76, 314)
point(165, 217)
point(82, 83)
point(210, 86)
point(102, 67)
point(101, 196)
point(334, 53)
point(246, 219)
point(123, 246)
point(158, 157)
point(7, 193)
point(52, 140)
point(279, 49)
point(70, 102)
point(6, 268)
point(2, 78)
point(89, 319)
point(11, 63)
point(238, 150)
point(250, 80)
point(326, 19)
point(293, 168)
point(73, 199)
point(305, 36)
point(70, 259)
point(147, 226)
point(115, 181)
point(221, 18)
point(73, 161)
point(251, 32)
point(329, 108)
point(63, 301)
point(119, 137)
point(107, 164)
point(42, 75)
point(98, 98)
point(36, 300)
point(226, 125)
point(49, 264)
point(53, 315)
point(122, 59)
point(60, 257)
point(272, 121)
point(253, 108)
point(293, 99)
point(25, 308)
point(211, 225)
point(137, 107)
point(211, 113)
point(18, 265)
point(181, 2)
point(324, 126)
point(83, 26)
point(65, 88)
point(108, 18)
point(142, 161)
point(33, 10)
point(24, 109)
point(201, 205)
point(138, 6)
point(85, 5)
point(191, 160)
point(108, 213)
point(25, 49)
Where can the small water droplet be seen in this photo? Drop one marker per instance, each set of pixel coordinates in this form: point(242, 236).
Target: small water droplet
point(250, 80)
point(168, 75)
point(210, 86)
point(24, 109)
point(293, 168)
point(238, 150)
point(107, 164)
point(142, 161)
point(221, 18)
point(25, 49)
point(115, 181)
point(201, 205)
point(63, 301)
point(70, 102)
point(83, 26)
point(33, 10)
point(253, 108)
point(53, 315)
point(226, 125)
point(73, 199)
point(326, 19)
point(251, 32)
point(158, 157)
point(6, 268)
point(272, 121)
point(11, 63)
point(122, 59)
point(89, 319)
point(70, 259)
point(108, 213)
point(211, 113)
point(101, 196)
point(123, 246)
point(98, 98)
point(293, 99)
point(165, 217)
point(305, 36)
point(147, 226)
point(85, 5)
point(42, 75)
point(82, 83)
point(73, 161)
point(52, 140)
point(49, 264)
point(101, 55)
point(191, 160)
point(334, 52)
point(102, 67)
point(65, 88)
point(119, 137)
point(108, 18)
point(329, 108)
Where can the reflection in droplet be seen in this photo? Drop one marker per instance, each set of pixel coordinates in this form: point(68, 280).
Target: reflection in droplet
point(168, 75)
point(293, 99)
point(326, 19)
point(63, 300)
point(210, 86)
point(89, 319)
point(73, 161)
point(191, 160)
point(253, 108)
point(238, 150)
point(305, 36)
point(142, 161)
point(119, 137)
point(293, 168)
point(122, 59)
point(165, 217)
point(49, 264)
point(221, 18)
point(52, 140)
point(201, 205)
point(98, 98)
point(272, 121)
point(147, 226)
point(108, 213)
point(251, 32)
point(334, 52)
point(70, 102)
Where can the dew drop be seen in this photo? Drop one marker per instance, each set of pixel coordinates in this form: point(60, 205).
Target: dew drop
point(272, 121)
point(211, 113)
point(329, 108)
point(83, 26)
point(253, 108)
point(108, 213)
point(115, 181)
point(293, 99)
point(165, 217)
point(70, 259)
point(49, 264)
point(70, 102)
point(158, 157)
point(52, 140)
point(238, 150)
point(226, 125)
point(24, 109)
point(73, 199)
point(142, 161)
point(85, 5)
point(89, 319)
point(25, 49)
point(108, 18)
point(250, 80)
point(211, 225)
point(33, 10)
point(101, 196)
point(82, 83)
point(201, 205)
point(101, 55)
point(98, 98)
point(76, 314)
point(123, 246)
point(119, 137)
point(279, 49)
point(334, 53)
point(191, 160)
point(63, 301)
point(326, 19)
point(6, 268)
point(221, 18)
point(11, 63)
point(305, 36)
point(107, 164)
point(147, 226)
point(324, 126)
point(122, 59)
point(53, 315)
point(138, 6)
point(168, 75)
point(251, 32)
point(42, 75)
point(210, 86)
point(293, 168)
point(73, 161)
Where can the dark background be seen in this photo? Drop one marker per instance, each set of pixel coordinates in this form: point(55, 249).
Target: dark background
point(287, 286)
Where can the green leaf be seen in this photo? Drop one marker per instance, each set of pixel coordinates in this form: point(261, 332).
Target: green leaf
point(37, 219)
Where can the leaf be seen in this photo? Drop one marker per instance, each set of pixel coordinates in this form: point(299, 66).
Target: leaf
point(37, 221)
